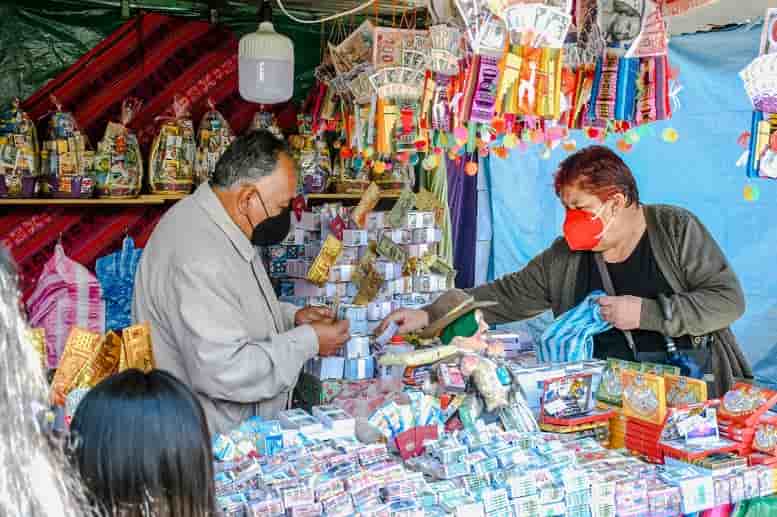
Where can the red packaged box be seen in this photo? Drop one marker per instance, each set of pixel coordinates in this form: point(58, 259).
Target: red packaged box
point(745, 404)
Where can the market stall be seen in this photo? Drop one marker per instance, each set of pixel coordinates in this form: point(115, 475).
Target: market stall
point(400, 110)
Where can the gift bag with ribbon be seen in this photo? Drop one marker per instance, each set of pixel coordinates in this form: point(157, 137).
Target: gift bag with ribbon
point(67, 295)
point(118, 164)
point(116, 273)
point(174, 151)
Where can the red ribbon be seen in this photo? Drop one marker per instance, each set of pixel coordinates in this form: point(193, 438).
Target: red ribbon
point(298, 206)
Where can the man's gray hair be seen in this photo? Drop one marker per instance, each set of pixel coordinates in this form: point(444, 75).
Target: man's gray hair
point(250, 157)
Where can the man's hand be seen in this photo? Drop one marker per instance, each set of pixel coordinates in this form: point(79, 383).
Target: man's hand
point(408, 320)
point(624, 312)
point(310, 315)
point(331, 336)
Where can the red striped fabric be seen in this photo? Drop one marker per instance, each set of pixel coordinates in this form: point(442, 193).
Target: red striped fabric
point(153, 57)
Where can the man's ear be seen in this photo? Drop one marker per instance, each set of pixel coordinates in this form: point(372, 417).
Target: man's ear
point(244, 197)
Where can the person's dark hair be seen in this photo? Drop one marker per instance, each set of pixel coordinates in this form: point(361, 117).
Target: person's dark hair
point(599, 171)
point(248, 158)
point(142, 445)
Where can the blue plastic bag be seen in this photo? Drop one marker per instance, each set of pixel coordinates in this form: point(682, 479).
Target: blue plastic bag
point(571, 336)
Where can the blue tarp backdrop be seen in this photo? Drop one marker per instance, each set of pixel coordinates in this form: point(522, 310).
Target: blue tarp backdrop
point(698, 173)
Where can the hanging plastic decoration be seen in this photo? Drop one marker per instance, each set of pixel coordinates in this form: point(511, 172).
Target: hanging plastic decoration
point(752, 193)
point(758, 79)
point(491, 77)
point(670, 135)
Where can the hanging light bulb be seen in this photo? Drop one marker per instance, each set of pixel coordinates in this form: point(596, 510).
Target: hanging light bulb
point(266, 62)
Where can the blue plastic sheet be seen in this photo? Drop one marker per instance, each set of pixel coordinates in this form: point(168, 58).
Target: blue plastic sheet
point(698, 172)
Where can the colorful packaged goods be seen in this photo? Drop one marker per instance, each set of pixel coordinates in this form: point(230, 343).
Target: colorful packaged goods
point(18, 153)
point(66, 159)
point(745, 404)
point(315, 166)
point(266, 120)
point(137, 350)
point(213, 138)
point(118, 165)
point(174, 152)
point(79, 349)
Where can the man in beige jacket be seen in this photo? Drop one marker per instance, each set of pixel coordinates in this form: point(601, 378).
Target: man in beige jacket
point(215, 320)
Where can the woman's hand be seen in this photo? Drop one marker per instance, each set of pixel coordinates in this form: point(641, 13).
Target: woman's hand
point(408, 320)
point(624, 312)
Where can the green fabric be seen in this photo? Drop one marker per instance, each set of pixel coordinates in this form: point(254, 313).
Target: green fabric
point(761, 507)
point(41, 38)
point(465, 326)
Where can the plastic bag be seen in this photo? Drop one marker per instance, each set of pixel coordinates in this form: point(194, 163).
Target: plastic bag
point(571, 336)
point(173, 153)
point(266, 120)
point(215, 136)
point(315, 167)
point(494, 393)
point(19, 165)
point(66, 158)
point(116, 273)
point(118, 165)
point(66, 295)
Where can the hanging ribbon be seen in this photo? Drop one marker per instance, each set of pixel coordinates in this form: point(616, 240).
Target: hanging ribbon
point(674, 94)
point(406, 119)
point(470, 88)
point(371, 120)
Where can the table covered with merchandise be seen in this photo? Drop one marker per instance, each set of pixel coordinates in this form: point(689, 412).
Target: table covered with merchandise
point(469, 430)
point(473, 425)
point(557, 442)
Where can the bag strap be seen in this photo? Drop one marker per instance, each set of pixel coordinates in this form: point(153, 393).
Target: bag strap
point(610, 290)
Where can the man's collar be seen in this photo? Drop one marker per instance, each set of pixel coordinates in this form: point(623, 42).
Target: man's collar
point(207, 199)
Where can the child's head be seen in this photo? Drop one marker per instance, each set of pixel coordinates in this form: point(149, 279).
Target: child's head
point(141, 442)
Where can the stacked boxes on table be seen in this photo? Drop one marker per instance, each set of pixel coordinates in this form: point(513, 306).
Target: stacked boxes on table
point(741, 412)
point(311, 465)
point(402, 286)
point(288, 263)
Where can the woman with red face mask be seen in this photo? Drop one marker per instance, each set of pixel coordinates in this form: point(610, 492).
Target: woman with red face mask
point(667, 274)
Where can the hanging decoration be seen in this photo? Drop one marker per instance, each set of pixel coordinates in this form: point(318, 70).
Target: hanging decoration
point(760, 81)
point(488, 77)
